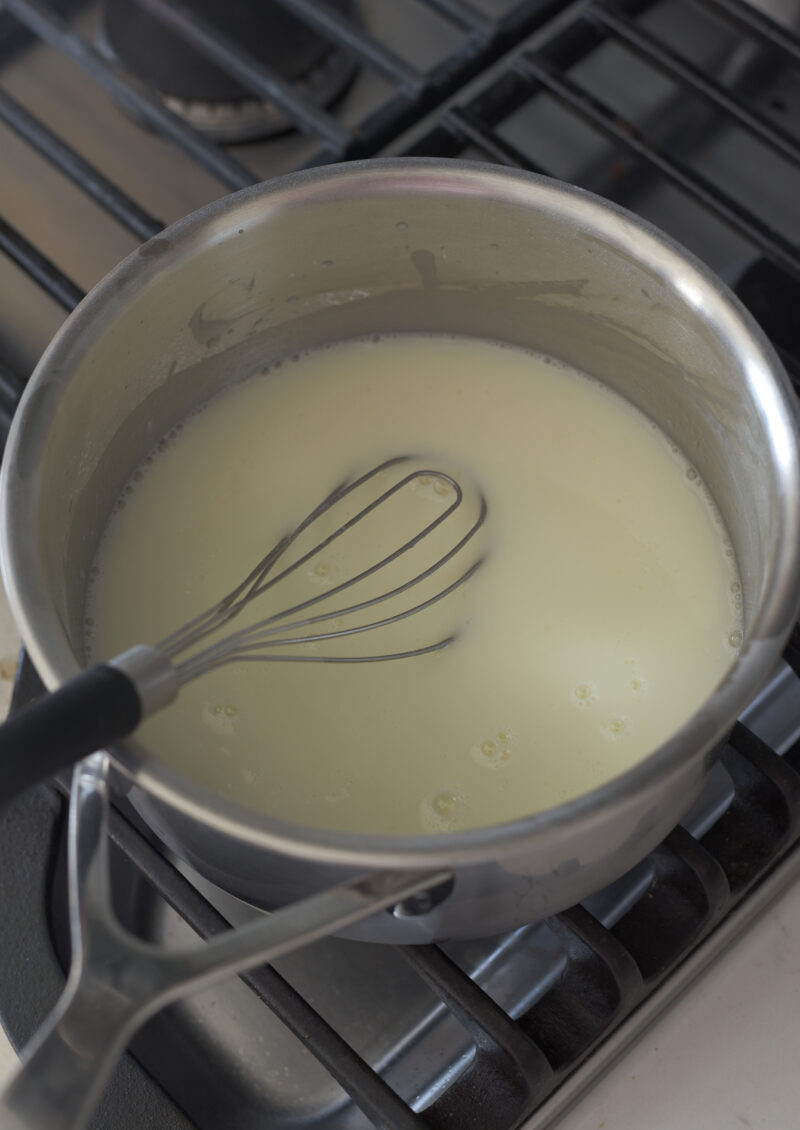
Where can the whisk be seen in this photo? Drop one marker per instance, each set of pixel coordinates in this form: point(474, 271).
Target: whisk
point(107, 702)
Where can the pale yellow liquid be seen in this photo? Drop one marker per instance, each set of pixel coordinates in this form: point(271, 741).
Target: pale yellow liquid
point(605, 612)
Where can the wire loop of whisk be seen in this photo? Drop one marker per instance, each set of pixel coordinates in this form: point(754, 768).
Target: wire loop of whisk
point(257, 642)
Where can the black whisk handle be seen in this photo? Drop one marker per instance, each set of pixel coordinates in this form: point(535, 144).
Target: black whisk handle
point(88, 713)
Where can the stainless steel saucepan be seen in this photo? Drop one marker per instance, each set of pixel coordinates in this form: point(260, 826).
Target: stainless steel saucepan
point(385, 247)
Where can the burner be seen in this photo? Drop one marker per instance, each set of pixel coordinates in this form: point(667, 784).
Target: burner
point(202, 94)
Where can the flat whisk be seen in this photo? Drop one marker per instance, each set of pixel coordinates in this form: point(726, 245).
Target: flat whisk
point(268, 639)
point(108, 701)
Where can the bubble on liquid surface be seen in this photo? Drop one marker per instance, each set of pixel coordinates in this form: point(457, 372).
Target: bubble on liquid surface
point(337, 795)
point(441, 812)
point(585, 694)
point(616, 727)
point(432, 488)
point(221, 717)
point(445, 804)
point(323, 572)
point(735, 638)
point(493, 753)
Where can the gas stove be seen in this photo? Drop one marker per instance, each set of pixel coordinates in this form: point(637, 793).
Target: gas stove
point(120, 117)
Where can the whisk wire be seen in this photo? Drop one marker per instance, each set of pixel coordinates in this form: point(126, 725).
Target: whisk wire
point(222, 653)
point(347, 526)
point(261, 628)
point(254, 641)
point(247, 589)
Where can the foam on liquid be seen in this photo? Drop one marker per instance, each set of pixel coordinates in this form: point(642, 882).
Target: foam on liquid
point(606, 611)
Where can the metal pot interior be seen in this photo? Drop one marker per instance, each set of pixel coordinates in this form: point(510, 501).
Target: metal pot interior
point(385, 248)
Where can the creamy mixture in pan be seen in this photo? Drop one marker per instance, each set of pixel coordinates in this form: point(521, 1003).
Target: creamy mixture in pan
point(605, 611)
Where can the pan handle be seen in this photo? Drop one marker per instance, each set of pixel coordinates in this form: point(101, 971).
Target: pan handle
point(90, 712)
point(117, 981)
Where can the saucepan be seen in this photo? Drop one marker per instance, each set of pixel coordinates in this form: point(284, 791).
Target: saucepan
point(384, 247)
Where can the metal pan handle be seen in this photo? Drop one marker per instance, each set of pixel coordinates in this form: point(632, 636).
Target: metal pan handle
point(117, 982)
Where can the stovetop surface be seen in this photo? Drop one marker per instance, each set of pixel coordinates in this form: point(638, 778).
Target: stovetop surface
point(584, 981)
point(706, 146)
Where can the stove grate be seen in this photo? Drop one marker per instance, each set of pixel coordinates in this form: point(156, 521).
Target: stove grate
point(53, 281)
point(540, 69)
point(410, 91)
point(550, 62)
point(116, 202)
point(679, 68)
point(616, 955)
point(560, 81)
point(753, 22)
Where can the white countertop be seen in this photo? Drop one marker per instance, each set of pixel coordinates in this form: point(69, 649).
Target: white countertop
point(722, 1057)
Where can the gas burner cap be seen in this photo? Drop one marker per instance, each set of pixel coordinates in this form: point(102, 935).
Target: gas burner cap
point(250, 119)
point(204, 96)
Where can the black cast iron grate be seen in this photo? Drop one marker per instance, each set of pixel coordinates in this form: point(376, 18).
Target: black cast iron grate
point(608, 971)
point(550, 84)
point(410, 91)
point(475, 121)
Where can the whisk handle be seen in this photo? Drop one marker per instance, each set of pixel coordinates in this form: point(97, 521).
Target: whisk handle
point(88, 713)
